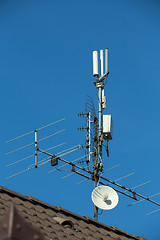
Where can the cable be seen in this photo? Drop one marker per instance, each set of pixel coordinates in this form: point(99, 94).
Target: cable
point(62, 170)
point(67, 164)
point(100, 213)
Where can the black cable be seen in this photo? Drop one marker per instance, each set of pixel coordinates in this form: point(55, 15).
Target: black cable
point(62, 170)
point(100, 213)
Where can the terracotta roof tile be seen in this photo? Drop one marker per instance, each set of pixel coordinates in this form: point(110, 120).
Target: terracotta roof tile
point(104, 232)
point(42, 215)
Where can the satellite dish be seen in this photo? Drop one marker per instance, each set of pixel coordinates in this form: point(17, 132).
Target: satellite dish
point(105, 197)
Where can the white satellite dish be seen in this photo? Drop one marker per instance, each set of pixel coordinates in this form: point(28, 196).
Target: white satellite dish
point(105, 197)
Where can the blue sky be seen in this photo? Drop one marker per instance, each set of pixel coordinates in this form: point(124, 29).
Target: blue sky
point(46, 72)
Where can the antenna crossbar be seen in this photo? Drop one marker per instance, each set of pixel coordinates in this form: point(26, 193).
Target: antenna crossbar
point(130, 190)
point(110, 181)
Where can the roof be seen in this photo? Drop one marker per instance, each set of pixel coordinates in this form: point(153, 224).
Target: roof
point(58, 223)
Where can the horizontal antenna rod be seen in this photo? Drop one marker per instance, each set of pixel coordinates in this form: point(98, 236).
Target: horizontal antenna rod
point(124, 177)
point(20, 148)
point(33, 155)
point(111, 168)
point(82, 181)
point(51, 135)
point(51, 124)
point(139, 185)
point(67, 149)
point(153, 212)
point(34, 142)
point(33, 130)
point(19, 173)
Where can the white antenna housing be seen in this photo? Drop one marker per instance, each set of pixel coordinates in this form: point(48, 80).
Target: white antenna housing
point(95, 63)
point(106, 60)
point(102, 61)
point(107, 127)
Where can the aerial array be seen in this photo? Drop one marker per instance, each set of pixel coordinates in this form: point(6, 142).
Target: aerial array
point(98, 132)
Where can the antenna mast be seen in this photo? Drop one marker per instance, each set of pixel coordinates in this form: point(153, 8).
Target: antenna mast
point(98, 130)
point(99, 83)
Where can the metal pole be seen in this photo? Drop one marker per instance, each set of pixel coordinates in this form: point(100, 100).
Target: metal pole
point(89, 133)
point(100, 85)
point(36, 161)
point(100, 121)
point(95, 166)
point(99, 144)
point(95, 185)
point(100, 138)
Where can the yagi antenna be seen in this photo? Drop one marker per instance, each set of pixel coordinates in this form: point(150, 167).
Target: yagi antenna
point(35, 142)
point(45, 161)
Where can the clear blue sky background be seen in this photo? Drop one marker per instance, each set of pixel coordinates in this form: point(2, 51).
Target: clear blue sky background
point(46, 72)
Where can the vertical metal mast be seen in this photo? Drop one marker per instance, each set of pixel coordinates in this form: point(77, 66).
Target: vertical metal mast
point(99, 83)
point(36, 148)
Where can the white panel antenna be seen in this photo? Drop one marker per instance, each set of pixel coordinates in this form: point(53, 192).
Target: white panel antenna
point(95, 63)
point(106, 60)
point(102, 61)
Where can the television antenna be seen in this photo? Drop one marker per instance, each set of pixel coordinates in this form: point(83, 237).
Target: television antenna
point(98, 130)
